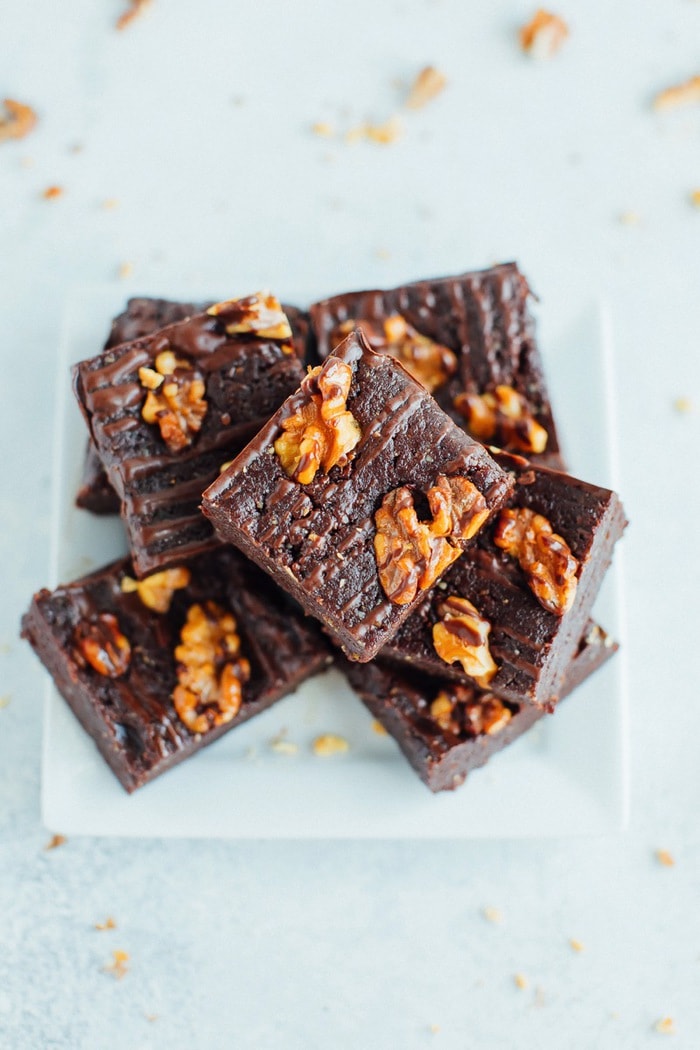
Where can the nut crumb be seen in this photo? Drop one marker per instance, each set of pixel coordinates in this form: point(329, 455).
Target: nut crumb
point(684, 94)
point(117, 967)
point(134, 9)
point(630, 218)
point(17, 121)
point(156, 591)
point(323, 129)
point(695, 198)
point(383, 253)
point(494, 915)
point(666, 1026)
point(110, 204)
point(520, 981)
point(379, 728)
point(5, 701)
point(282, 746)
point(329, 744)
point(575, 944)
point(429, 83)
point(543, 35)
point(108, 924)
point(665, 858)
point(126, 270)
point(52, 193)
point(683, 405)
point(384, 134)
point(55, 841)
point(434, 1029)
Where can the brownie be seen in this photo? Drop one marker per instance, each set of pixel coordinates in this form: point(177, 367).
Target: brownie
point(531, 638)
point(226, 384)
point(471, 340)
point(95, 493)
point(367, 452)
point(446, 729)
point(78, 632)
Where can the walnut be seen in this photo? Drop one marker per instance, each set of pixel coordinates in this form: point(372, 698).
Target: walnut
point(462, 635)
point(428, 362)
point(384, 134)
point(101, 644)
point(329, 744)
point(543, 35)
point(18, 120)
point(544, 556)
point(175, 399)
point(210, 671)
point(460, 710)
point(322, 433)
point(260, 315)
point(413, 554)
point(156, 591)
point(429, 83)
point(504, 414)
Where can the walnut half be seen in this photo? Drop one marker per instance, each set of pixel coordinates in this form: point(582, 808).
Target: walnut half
point(505, 415)
point(462, 635)
point(460, 710)
point(322, 433)
point(411, 554)
point(175, 399)
point(431, 364)
point(544, 557)
point(210, 670)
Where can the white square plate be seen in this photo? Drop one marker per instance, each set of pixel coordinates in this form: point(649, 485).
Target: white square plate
point(568, 775)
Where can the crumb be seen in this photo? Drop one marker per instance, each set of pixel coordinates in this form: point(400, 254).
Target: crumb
point(282, 746)
point(434, 1028)
point(51, 193)
point(665, 858)
point(539, 999)
point(630, 218)
point(117, 967)
point(493, 914)
point(666, 1026)
point(108, 924)
point(323, 129)
point(134, 9)
point(543, 35)
point(110, 204)
point(679, 95)
point(383, 253)
point(329, 744)
point(683, 405)
point(151, 1017)
point(126, 270)
point(575, 944)
point(384, 134)
point(16, 121)
point(55, 841)
point(520, 981)
point(695, 198)
point(5, 701)
point(429, 83)
point(379, 728)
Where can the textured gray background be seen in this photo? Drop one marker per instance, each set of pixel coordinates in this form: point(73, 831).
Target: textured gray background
point(196, 119)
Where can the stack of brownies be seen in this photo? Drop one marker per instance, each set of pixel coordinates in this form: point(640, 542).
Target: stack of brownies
point(375, 483)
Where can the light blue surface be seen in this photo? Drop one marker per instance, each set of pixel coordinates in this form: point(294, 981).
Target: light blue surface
point(305, 945)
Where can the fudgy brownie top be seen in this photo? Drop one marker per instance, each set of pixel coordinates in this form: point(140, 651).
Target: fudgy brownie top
point(530, 577)
point(471, 340)
point(317, 535)
point(128, 646)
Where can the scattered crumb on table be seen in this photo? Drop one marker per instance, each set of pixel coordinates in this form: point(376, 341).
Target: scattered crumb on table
point(329, 744)
point(493, 914)
point(5, 701)
point(520, 981)
point(126, 270)
point(108, 924)
point(16, 121)
point(434, 1028)
point(323, 129)
point(117, 968)
point(55, 841)
point(52, 193)
point(110, 204)
point(666, 1026)
point(575, 944)
point(429, 83)
point(543, 35)
point(378, 728)
point(684, 94)
point(683, 405)
point(384, 134)
point(282, 746)
point(630, 218)
point(134, 9)
point(665, 858)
